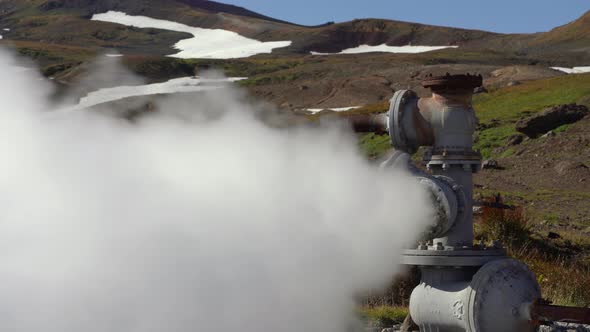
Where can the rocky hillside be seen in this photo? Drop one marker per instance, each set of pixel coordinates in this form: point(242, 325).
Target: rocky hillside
point(60, 36)
point(574, 36)
point(66, 22)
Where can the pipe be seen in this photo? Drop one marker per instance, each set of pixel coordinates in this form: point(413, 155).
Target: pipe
point(464, 288)
point(491, 300)
point(368, 123)
point(541, 312)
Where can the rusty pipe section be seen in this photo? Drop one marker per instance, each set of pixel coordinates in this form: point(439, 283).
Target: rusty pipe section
point(542, 312)
point(368, 123)
point(464, 288)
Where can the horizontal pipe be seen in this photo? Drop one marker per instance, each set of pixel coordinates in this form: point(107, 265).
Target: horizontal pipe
point(369, 123)
point(541, 312)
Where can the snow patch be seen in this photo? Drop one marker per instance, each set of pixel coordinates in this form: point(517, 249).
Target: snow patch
point(205, 43)
point(574, 70)
point(6, 29)
point(184, 84)
point(388, 49)
point(336, 109)
point(1, 37)
point(113, 55)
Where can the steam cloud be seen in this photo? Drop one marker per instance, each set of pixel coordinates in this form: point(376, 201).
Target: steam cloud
point(177, 224)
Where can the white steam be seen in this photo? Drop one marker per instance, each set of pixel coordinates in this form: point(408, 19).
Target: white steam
point(171, 225)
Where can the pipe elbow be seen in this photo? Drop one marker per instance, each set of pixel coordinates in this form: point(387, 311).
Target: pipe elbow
point(448, 201)
point(408, 128)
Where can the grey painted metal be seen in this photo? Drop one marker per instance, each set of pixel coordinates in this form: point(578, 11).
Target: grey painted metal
point(452, 156)
point(448, 199)
point(445, 203)
point(401, 121)
point(453, 127)
point(451, 257)
point(496, 298)
point(462, 233)
point(464, 288)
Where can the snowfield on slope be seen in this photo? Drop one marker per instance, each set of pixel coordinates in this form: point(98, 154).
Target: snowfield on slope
point(183, 84)
point(205, 43)
point(336, 109)
point(387, 49)
point(574, 70)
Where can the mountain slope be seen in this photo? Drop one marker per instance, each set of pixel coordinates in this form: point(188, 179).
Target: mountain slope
point(61, 37)
point(218, 7)
point(574, 36)
point(67, 22)
point(31, 15)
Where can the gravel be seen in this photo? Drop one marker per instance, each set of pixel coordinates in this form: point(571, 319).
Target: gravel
point(565, 327)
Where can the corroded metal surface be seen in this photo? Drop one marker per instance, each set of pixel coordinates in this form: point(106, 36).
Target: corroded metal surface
point(543, 313)
point(449, 81)
point(368, 123)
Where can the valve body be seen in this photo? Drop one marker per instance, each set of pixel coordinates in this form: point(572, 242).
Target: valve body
point(463, 287)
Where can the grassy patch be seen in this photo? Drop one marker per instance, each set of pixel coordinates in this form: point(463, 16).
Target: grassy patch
point(551, 218)
point(383, 315)
point(563, 281)
point(505, 106)
point(510, 103)
point(509, 152)
point(563, 276)
point(281, 77)
point(561, 129)
point(374, 146)
point(490, 139)
point(510, 227)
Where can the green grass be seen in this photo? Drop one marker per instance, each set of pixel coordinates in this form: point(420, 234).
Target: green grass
point(490, 139)
point(563, 277)
point(552, 218)
point(383, 315)
point(505, 105)
point(374, 146)
point(509, 104)
point(561, 129)
point(507, 153)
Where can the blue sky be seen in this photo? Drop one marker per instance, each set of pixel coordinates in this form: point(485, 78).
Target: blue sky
point(491, 15)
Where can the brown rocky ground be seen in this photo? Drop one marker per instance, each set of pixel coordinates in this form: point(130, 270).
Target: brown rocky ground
point(342, 81)
point(549, 177)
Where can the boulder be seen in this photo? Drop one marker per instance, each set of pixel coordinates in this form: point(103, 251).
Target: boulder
point(514, 139)
point(490, 164)
point(550, 119)
point(565, 167)
point(480, 89)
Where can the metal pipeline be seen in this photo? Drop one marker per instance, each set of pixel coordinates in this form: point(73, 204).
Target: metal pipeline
point(368, 123)
point(541, 312)
point(464, 287)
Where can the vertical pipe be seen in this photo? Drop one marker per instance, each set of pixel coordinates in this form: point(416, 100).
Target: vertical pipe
point(462, 232)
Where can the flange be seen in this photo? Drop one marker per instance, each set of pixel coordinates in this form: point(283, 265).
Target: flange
point(448, 257)
point(449, 81)
point(502, 289)
point(401, 106)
